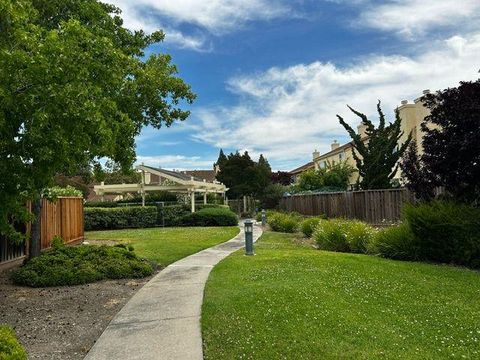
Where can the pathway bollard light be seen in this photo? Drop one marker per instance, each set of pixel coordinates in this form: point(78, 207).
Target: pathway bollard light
point(264, 217)
point(248, 224)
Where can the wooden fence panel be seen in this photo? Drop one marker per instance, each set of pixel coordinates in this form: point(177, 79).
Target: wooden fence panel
point(372, 206)
point(63, 218)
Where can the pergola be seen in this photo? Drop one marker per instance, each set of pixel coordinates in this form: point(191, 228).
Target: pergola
point(156, 179)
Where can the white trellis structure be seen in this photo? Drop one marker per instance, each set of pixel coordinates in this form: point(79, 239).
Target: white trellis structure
point(156, 179)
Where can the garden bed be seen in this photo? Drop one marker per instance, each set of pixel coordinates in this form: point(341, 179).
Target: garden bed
point(62, 322)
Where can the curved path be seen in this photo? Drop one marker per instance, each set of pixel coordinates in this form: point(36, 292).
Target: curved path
point(162, 320)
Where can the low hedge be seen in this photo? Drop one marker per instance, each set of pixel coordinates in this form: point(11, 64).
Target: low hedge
point(120, 217)
point(446, 232)
point(74, 265)
point(210, 217)
point(10, 348)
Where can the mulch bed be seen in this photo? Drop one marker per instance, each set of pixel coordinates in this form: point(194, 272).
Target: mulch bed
point(62, 322)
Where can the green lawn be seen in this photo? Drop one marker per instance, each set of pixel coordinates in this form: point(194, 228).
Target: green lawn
point(291, 301)
point(167, 245)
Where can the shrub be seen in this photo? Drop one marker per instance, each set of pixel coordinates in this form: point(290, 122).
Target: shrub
point(308, 225)
point(171, 215)
point(120, 217)
point(395, 242)
point(73, 265)
point(103, 204)
point(446, 232)
point(343, 235)
point(10, 348)
point(283, 222)
point(210, 217)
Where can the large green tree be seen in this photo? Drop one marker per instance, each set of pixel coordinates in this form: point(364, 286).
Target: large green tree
point(451, 146)
point(377, 158)
point(242, 175)
point(75, 85)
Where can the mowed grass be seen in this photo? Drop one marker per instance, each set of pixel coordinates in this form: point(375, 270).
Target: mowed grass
point(291, 301)
point(167, 245)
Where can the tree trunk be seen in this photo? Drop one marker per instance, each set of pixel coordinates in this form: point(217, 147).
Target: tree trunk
point(35, 236)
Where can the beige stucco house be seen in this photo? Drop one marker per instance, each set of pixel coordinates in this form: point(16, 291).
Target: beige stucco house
point(411, 114)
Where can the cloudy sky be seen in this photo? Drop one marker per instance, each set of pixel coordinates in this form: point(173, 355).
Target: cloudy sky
point(271, 75)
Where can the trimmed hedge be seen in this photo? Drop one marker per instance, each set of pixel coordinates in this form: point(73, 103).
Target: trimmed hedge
point(210, 217)
point(10, 348)
point(446, 232)
point(74, 265)
point(120, 217)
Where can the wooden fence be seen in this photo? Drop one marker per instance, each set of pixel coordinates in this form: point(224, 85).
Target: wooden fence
point(373, 206)
point(63, 218)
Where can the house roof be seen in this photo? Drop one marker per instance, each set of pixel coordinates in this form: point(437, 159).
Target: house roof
point(302, 168)
point(208, 175)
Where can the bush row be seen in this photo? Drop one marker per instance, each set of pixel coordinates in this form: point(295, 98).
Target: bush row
point(210, 217)
point(120, 217)
point(149, 216)
point(73, 265)
point(439, 231)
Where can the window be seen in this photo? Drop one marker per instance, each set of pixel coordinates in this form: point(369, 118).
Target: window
point(341, 156)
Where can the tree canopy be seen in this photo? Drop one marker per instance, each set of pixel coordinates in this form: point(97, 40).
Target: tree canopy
point(334, 177)
point(377, 158)
point(242, 175)
point(451, 146)
point(75, 86)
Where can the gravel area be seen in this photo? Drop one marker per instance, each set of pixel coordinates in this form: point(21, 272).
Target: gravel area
point(62, 322)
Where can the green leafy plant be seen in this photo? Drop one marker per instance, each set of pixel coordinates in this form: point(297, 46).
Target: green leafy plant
point(57, 191)
point(10, 348)
point(120, 217)
point(210, 217)
point(73, 265)
point(308, 225)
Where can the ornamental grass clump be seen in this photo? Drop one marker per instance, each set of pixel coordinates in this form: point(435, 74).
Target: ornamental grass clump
point(283, 222)
point(343, 235)
point(10, 348)
point(395, 242)
point(307, 227)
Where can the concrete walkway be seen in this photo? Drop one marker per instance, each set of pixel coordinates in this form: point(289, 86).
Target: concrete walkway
point(162, 320)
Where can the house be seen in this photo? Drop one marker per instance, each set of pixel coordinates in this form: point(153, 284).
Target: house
point(411, 115)
point(295, 173)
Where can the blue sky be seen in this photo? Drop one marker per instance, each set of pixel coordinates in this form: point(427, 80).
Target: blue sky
point(271, 75)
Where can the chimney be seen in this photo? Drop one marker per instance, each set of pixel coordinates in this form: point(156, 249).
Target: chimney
point(425, 92)
point(362, 130)
point(335, 145)
point(315, 154)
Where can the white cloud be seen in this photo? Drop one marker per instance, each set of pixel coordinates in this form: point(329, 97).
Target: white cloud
point(410, 18)
point(213, 16)
point(178, 162)
point(286, 113)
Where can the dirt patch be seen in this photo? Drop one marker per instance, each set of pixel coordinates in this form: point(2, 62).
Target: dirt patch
point(62, 322)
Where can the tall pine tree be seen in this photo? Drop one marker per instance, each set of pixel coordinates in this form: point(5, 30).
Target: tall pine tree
point(377, 159)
